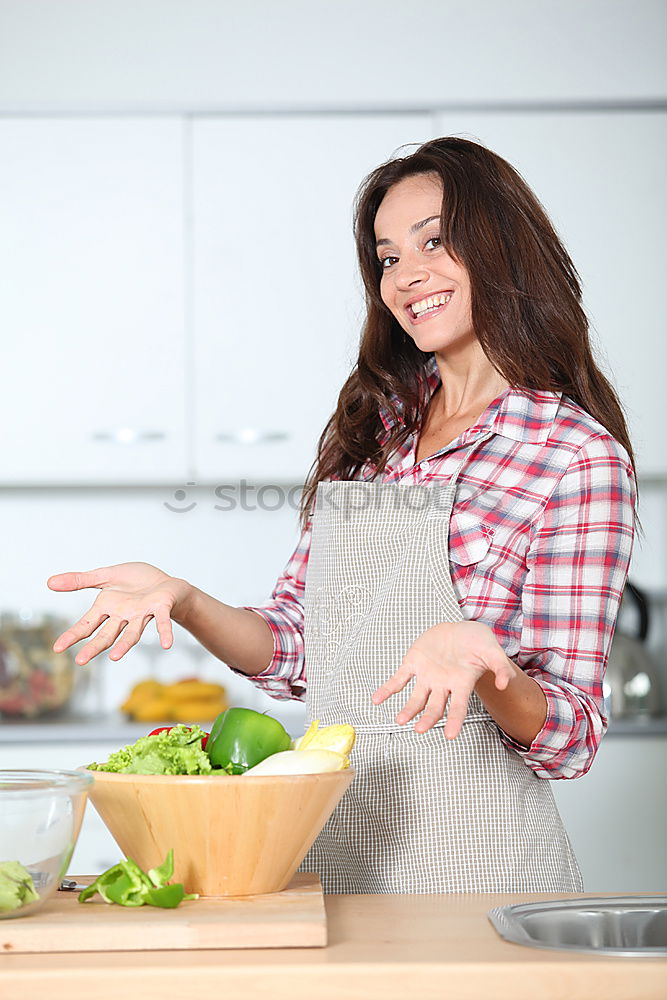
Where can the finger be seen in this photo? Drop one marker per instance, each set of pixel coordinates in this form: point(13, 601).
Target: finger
point(163, 626)
point(415, 704)
point(129, 637)
point(458, 709)
point(80, 630)
point(79, 581)
point(106, 636)
point(433, 713)
point(499, 664)
point(395, 684)
point(503, 670)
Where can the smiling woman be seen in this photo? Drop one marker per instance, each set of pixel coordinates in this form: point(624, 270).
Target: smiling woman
point(497, 597)
point(466, 535)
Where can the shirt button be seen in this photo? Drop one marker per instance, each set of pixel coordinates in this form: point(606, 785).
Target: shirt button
point(424, 466)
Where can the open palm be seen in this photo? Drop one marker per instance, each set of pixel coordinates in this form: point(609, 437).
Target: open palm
point(131, 594)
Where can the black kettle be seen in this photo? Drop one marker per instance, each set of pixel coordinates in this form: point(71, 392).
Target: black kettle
point(632, 688)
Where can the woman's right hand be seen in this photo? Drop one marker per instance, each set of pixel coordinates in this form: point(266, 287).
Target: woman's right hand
point(130, 595)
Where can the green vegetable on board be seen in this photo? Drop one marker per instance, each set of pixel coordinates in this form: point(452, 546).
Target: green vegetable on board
point(241, 738)
point(17, 888)
point(174, 751)
point(128, 885)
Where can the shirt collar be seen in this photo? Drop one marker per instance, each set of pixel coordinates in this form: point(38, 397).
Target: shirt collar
point(520, 414)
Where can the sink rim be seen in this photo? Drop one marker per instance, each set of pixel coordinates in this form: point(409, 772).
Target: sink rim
point(507, 922)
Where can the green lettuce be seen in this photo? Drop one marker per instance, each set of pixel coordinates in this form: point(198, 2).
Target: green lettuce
point(17, 888)
point(177, 751)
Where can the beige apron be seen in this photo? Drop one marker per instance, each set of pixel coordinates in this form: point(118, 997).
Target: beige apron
point(424, 814)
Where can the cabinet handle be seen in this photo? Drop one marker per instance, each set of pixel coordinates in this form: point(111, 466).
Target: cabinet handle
point(127, 435)
point(250, 435)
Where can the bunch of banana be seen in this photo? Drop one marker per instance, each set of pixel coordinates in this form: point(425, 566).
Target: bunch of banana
point(189, 700)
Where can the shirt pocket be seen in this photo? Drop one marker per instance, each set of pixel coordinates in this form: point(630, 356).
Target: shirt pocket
point(469, 542)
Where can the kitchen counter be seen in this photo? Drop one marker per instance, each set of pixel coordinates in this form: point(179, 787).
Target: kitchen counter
point(380, 948)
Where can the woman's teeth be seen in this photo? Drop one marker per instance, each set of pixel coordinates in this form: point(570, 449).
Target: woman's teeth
point(432, 302)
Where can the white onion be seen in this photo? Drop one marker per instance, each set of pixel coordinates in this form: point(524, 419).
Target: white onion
point(301, 762)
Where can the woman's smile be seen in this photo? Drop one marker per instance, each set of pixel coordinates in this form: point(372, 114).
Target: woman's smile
point(424, 308)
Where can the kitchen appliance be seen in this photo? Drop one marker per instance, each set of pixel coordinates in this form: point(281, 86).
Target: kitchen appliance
point(620, 925)
point(632, 688)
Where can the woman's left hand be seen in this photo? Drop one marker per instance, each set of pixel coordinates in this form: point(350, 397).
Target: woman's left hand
point(446, 662)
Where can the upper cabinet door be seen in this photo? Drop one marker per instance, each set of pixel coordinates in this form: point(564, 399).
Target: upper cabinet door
point(601, 177)
point(277, 301)
point(91, 301)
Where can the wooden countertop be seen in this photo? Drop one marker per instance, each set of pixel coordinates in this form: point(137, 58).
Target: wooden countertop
point(380, 947)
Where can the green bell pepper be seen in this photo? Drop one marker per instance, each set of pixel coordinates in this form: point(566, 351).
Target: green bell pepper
point(241, 738)
point(167, 896)
point(127, 885)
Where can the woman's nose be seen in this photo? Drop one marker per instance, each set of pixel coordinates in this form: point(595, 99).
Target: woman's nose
point(410, 271)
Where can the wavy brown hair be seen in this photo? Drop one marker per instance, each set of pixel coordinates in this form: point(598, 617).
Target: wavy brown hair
point(525, 302)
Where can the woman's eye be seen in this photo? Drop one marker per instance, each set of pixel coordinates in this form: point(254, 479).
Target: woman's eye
point(386, 262)
point(433, 243)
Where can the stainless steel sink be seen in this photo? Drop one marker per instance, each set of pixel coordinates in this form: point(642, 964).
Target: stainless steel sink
point(618, 925)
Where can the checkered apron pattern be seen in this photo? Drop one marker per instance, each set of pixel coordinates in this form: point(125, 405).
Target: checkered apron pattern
point(424, 814)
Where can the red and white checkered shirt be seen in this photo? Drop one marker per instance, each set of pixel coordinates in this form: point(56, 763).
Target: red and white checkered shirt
point(540, 541)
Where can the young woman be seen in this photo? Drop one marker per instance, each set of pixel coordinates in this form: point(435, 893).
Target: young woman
point(467, 531)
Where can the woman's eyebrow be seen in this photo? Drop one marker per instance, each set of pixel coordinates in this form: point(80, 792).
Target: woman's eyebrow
point(413, 229)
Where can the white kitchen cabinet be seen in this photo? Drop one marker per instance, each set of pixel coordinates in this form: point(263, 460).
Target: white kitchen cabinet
point(179, 298)
point(601, 177)
point(277, 303)
point(92, 300)
point(616, 815)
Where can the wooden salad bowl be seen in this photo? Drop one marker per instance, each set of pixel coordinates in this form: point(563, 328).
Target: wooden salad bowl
point(231, 836)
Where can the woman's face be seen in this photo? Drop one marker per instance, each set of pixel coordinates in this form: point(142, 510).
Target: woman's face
point(424, 287)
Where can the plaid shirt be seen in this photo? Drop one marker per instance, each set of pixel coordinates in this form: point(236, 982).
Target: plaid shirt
point(541, 535)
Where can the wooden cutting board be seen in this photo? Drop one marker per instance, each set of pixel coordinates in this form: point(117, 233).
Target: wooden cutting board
point(293, 918)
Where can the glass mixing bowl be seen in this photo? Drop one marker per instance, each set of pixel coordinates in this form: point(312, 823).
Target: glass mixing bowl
point(40, 819)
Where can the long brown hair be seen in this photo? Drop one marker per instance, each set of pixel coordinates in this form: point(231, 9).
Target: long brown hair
point(525, 303)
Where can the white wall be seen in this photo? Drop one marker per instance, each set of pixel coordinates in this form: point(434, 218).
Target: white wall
point(299, 54)
point(235, 555)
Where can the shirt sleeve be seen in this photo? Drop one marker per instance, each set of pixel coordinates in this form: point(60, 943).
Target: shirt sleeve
point(285, 676)
point(578, 561)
